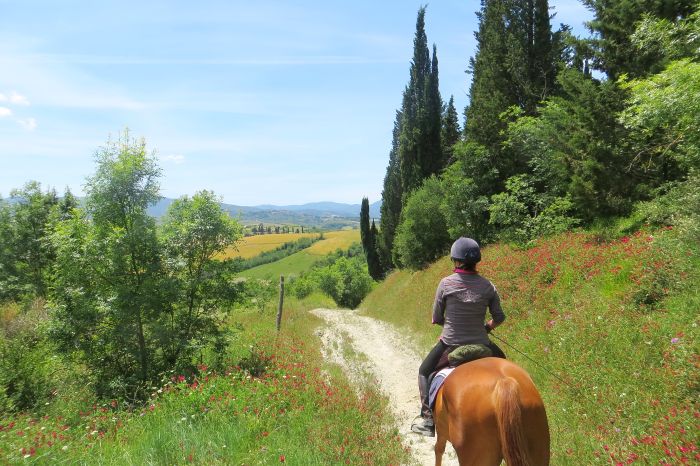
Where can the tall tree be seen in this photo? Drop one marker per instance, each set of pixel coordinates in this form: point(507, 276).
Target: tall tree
point(32, 214)
point(431, 157)
point(514, 65)
point(416, 148)
point(614, 24)
point(364, 225)
point(374, 265)
point(391, 198)
point(450, 131)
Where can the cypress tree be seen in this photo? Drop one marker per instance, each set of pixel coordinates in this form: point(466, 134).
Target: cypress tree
point(391, 198)
point(374, 266)
point(411, 147)
point(614, 24)
point(430, 158)
point(364, 225)
point(416, 147)
point(450, 131)
point(514, 66)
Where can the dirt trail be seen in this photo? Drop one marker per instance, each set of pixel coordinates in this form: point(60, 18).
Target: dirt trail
point(380, 352)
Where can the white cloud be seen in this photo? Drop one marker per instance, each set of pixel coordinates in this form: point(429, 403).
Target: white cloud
point(5, 112)
point(18, 99)
point(177, 159)
point(14, 98)
point(27, 123)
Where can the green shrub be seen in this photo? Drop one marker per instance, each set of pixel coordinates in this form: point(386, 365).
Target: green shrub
point(422, 235)
point(346, 281)
point(521, 215)
point(29, 369)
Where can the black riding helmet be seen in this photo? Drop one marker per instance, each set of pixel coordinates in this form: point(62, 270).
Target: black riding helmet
point(466, 250)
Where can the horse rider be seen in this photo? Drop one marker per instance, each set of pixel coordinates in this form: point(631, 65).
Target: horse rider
point(460, 307)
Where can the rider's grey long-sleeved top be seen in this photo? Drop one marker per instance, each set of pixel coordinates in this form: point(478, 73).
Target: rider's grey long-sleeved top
point(460, 307)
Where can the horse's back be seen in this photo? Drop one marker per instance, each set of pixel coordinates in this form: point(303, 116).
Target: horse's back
point(471, 407)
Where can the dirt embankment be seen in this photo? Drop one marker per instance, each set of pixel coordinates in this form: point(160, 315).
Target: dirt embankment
point(367, 347)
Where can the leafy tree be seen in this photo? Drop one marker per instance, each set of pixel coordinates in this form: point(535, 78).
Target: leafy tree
point(422, 235)
point(129, 302)
point(109, 274)
point(31, 215)
point(417, 151)
point(194, 231)
point(468, 183)
point(576, 146)
point(663, 116)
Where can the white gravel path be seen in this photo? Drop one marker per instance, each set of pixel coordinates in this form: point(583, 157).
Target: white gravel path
point(386, 355)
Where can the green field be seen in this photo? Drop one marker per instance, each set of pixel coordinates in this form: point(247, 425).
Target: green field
point(303, 260)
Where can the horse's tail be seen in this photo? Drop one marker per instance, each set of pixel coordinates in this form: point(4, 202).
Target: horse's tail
point(506, 397)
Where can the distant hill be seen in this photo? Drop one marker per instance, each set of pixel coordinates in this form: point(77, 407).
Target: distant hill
point(325, 215)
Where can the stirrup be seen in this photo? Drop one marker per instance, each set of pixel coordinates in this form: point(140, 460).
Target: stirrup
point(423, 426)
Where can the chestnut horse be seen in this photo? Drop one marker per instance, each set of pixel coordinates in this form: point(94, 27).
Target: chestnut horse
point(490, 410)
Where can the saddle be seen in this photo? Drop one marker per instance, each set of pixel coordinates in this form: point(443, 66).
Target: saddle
point(456, 355)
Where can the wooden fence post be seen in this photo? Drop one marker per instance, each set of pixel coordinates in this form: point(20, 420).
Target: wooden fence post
point(279, 307)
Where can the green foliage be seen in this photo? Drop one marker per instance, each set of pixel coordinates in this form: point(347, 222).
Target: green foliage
point(521, 215)
point(129, 302)
point(392, 194)
point(25, 254)
point(678, 206)
point(417, 151)
point(513, 66)
point(27, 365)
point(574, 148)
point(468, 182)
point(194, 231)
point(664, 114)
point(614, 25)
point(664, 40)
point(346, 281)
point(451, 131)
point(374, 265)
point(422, 235)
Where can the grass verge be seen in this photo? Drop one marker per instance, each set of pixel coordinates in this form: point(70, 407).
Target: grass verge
point(293, 411)
point(612, 327)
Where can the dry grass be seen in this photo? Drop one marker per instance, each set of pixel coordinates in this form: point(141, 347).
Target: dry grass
point(252, 246)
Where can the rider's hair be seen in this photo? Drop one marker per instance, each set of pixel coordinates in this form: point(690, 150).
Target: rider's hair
point(464, 265)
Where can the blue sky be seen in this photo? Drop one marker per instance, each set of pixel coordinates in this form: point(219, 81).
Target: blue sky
point(266, 102)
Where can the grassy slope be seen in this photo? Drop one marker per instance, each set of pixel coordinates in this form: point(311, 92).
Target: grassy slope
point(617, 322)
point(300, 412)
point(302, 260)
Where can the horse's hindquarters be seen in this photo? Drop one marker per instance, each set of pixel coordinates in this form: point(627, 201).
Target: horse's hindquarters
point(490, 409)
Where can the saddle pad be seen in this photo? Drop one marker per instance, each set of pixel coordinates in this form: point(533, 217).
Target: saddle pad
point(438, 380)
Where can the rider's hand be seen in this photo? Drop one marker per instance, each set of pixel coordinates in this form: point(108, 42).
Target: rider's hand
point(487, 327)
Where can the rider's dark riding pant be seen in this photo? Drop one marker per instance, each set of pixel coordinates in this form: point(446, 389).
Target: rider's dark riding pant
point(427, 368)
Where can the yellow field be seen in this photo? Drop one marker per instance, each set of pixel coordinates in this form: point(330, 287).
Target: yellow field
point(333, 240)
point(251, 246)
